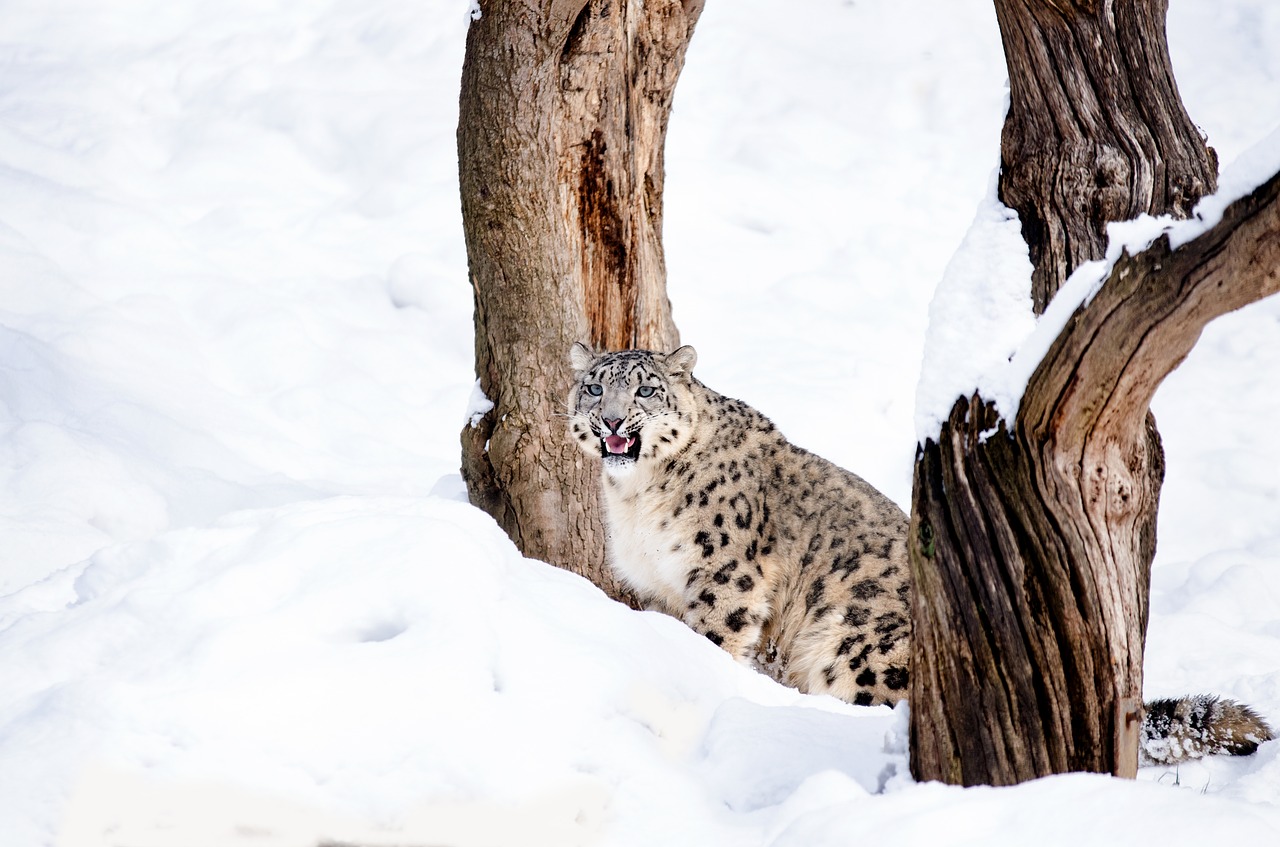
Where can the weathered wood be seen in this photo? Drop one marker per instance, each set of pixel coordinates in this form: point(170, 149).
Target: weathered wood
point(1096, 131)
point(563, 117)
point(1031, 548)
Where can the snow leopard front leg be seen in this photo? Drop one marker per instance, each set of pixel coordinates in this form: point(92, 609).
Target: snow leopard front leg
point(726, 597)
point(728, 603)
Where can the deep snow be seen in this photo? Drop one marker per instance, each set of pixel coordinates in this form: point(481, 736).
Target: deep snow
point(242, 599)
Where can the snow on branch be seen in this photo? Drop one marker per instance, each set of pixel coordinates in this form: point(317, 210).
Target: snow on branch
point(1143, 318)
point(983, 336)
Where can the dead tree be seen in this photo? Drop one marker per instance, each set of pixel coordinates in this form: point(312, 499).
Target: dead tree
point(562, 123)
point(1031, 549)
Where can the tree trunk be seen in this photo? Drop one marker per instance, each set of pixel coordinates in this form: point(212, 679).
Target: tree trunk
point(1031, 548)
point(563, 118)
point(1096, 131)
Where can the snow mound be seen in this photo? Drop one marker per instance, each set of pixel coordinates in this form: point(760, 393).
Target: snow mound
point(372, 659)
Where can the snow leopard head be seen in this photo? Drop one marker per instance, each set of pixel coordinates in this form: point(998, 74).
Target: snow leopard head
point(631, 406)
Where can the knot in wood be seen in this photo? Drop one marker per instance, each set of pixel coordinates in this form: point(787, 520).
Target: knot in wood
point(1113, 193)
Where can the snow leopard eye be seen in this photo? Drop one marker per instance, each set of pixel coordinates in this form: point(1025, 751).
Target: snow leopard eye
point(644, 391)
point(595, 390)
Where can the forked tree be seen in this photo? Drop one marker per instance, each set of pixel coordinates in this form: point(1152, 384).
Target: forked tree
point(1031, 549)
point(563, 119)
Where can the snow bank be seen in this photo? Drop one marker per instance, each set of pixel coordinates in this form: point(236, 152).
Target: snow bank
point(389, 671)
point(397, 668)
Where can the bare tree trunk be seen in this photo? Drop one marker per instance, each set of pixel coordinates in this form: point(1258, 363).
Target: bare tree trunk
point(563, 119)
point(1031, 549)
point(1096, 131)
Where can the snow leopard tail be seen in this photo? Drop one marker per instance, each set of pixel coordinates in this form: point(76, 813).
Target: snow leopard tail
point(1183, 728)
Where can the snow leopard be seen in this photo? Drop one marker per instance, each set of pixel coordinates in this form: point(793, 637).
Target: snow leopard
point(791, 564)
point(785, 560)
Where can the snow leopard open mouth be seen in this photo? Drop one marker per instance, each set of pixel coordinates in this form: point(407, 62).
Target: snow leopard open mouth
point(620, 446)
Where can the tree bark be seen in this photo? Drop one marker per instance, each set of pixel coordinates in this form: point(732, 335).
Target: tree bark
point(1030, 547)
point(1096, 131)
point(1032, 540)
point(563, 117)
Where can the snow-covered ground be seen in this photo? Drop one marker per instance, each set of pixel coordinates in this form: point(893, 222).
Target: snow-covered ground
point(242, 598)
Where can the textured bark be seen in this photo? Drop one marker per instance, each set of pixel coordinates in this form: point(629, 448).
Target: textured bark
point(1096, 131)
point(1031, 549)
point(1032, 540)
point(563, 118)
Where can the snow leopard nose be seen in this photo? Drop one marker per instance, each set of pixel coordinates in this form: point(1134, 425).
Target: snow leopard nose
point(613, 424)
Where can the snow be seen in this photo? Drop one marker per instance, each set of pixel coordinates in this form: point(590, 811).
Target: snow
point(979, 320)
point(478, 406)
point(242, 597)
point(1254, 167)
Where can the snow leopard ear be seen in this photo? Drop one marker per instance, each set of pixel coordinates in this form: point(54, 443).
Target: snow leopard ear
point(681, 361)
point(581, 357)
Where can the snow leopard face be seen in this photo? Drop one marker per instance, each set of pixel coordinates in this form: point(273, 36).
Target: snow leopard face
point(630, 406)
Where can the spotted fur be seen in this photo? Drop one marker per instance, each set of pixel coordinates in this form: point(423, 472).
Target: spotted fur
point(785, 560)
point(1199, 725)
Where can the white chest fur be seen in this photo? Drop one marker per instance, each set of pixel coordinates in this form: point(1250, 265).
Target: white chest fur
point(642, 538)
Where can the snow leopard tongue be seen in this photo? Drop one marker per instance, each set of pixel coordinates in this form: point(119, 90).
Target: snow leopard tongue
point(618, 443)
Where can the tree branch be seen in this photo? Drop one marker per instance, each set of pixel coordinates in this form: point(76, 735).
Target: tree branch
point(1106, 365)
